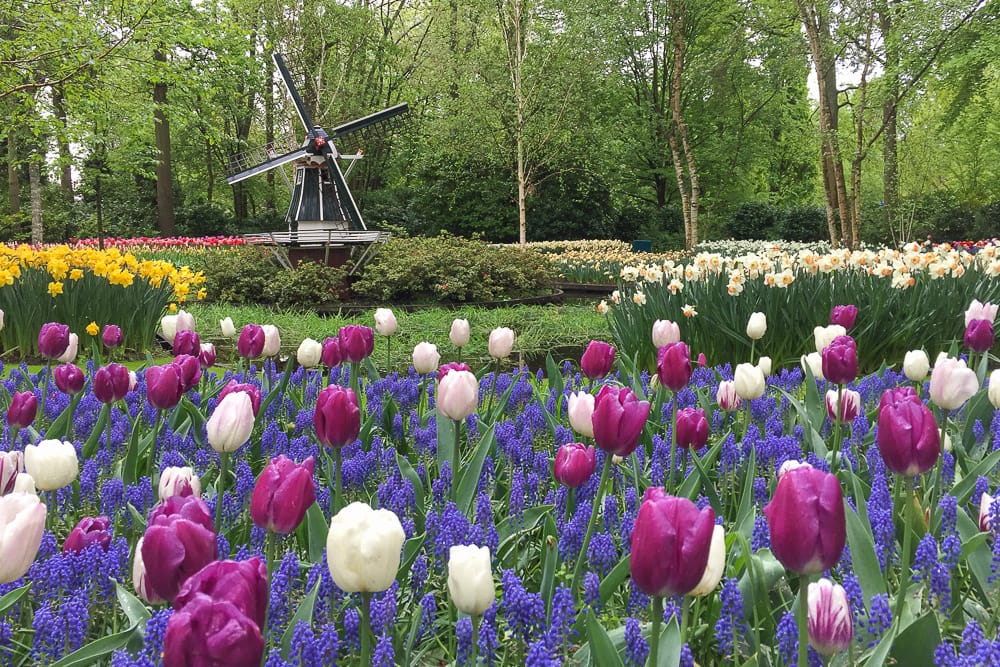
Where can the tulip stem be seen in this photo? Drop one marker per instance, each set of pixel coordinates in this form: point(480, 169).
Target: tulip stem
point(456, 458)
point(220, 489)
point(906, 511)
point(655, 619)
point(836, 429)
point(685, 612)
point(475, 639)
point(46, 372)
point(593, 519)
point(803, 620)
point(354, 381)
point(388, 355)
point(152, 448)
point(753, 345)
point(366, 629)
point(673, 442)
point(338, 501)
point(570, 503)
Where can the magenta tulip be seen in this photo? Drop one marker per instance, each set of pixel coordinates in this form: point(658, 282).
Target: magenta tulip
point(211, 632)
point(283, 493)
point(356, 342)
point(671, 541)
point(250, 344)
point(111, 383)
point(190, 370)
point(250, 390)
point(908, 437)
point(111, 336)
point(179, 541)
point(692, 428)
point(164, 386)
point(618, 419)
point(243, 583)
point(597, 359)
point(574, 465)
point(89, 530)
point(845, 316)
point(53, 340)
point(330, 356)
point(807, 521)
point(187, 342)
point(337, 418)
point(979, 335)
point(22, 410)
point(840, 360)
point(207, 355)
point(673, 365)
point(444, 369)
point(69, 378)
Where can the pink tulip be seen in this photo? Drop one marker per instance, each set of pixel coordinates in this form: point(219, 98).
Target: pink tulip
point(908, 437)
point(692, 428)
point(457, 395)
point(574, 464)
point(597, 360)
point(674, 365)
point(283, 493)
point(618, 419)
point(807, 521)
point(337, 418)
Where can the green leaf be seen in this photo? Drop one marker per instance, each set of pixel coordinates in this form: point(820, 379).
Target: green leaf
point(603, 652)
point(469, 479)
point(313, 531)
point(60, 427)
point(90, 446)
point(555, 376)
point(670, 645)
point(275, 391)
point(445, 440)
point(407, 471)
point(90, 654)
point(859, 537)
point(11, 598)
point(618, 574)
point(550, 561)
point(303, 613)
point(914, 647)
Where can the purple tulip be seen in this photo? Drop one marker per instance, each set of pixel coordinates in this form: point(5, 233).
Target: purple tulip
point(251, 341)
point(22, 410)
point(444, 369)
point(807, 522)
point(187, 342)
point(252, 391)
point(840, 360)
point(845, 316)
point(207, 355)
point(90, 530)
point(671, 541)
point(330, 356)
point(692, 428)
point(69, 378)
point(337, 418)
point(243, 583)
point(574, 465)
point(673, 365)
point(179, 541)
point(111, 336)
point(163, 386)
point(908, 436)
point(190, 370)
point(356, 342)
point(283, 493)
point(211, 632)
point(111, 383)
point(597, 359)
point(618, 419)
point(53, 340)
point(979, 335)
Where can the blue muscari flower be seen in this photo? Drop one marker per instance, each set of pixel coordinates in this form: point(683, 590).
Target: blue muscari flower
point(383, 610)
point(352, 628)
point(561, 618)
point(112, 498)
point(75, 613)
point(221, 543)
point(637, 600)
point(50, 631)
point(949, 514)
point(636, 648)
point(418, 574)
point(879, 617)
point(982, 486)
point(979, 432)
point(284, 580)
point(523, 611)
point(995, 430)
point(610, 512)
point(428, 610)
point(925, 558)
point(463, 631)
point(571, 532)
point(947, 469)
point(731, 624)
point(944, 655)
point(563, 435)
point(760, 538)
point(760, 495)
point(880, 516)
point(540, 655)
point(327, 645)
point(729, 458)
point(302, 649)
point(687, 658)
point(788, 639)
point(660, 461)
point(441, 486)
point(517, 496)
point(592, 591)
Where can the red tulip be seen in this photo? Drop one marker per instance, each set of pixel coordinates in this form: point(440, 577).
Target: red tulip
point(243, 583)
point(251, 342)
point(356, 342)
point(164, 386)
point(111, 383)
point(89, 530)
point(692, 428)
point(69, 378)
point(840, 360)
point(179, 541)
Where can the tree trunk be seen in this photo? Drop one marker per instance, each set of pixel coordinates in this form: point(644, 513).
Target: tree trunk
point(65, 156)
point(35, 181)
point(890, 154)
point(209, 171)
point(164, 172)
point(691, 194)
point(269, 196)
point(13, 175)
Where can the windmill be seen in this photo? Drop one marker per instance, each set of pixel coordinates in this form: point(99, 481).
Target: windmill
point(322, 213)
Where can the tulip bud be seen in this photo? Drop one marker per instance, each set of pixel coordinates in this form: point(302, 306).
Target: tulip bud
point(231, 424)
point(952, 383)
point(814, 363)
point(665, 332)
point(89, 530)
point(1, 320)
point(459, 334)
point(845, 316)
point(691, 428)
point(825, 335)
point(671, 542)
point(457, 395)
point(337, 418)
point(452, 366)
point(111, 383)
point(385, 322)
point(69, 378)
point(363, 548)
point(331, 352)
point(470, 579)
point(23, 408)
point(848, 411)
point(425, 358)
point(184, 322)
point(716, 564)
point(24, 483)
point(501, 343)
point(673, 365)
point(807, 522)
point(756, 326)
point(726, 396)
point(53, 339)
point(206, 355)
point(11, 465)
point(163, 386)
point(52, 464)
point(618, 419)
point(702, 360)
point(574, 464)
point(981, 311)
point(979, 335)
point(310, 353)
point(831, 627)
point(227, 327)
point(283, 493)
point(356, 342)
point(168, 325)
point(597, 359)
point(993, 391)
point(272, 341)
point(177, 481)
point(179, 540)
point(581, 412)
point(764, 364)
point(23, 517)
point(242, 583)
point(251, 342)
point(749, 382)
point(907, 435)
point(985, 502)
point(187, 342)
point(111, 336)
point(69, 356)
point(840, 360)
point(916, 365)
point(250, 390)
point(189, 371)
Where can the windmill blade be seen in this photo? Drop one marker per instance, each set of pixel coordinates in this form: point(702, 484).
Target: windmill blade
point(239, 171)
point(368, 121)
point(347, 202)
point(304, 116)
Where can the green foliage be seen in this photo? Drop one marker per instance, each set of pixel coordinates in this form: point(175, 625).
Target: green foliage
point(306, 286)
point(449, 269)
point(763, 220)
point(204, 219)
point(239, 275)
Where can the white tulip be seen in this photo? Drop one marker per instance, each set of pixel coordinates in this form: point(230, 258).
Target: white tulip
point(764, 364)
point(385, 322)
point(952, 383)
point(726, 396)
point(140, 579)
point(185, 321)
point(227, 326)
point(994, 389)
point(501, 343)
point(916, 365)
point(69, 356)
point(581, 413)
point(814, 363)
point(425, 358)
point(791, 464)
point(272, 341)
point(309, 353)
point(470, 579)
point(757, 326)
point(51, 463)
point(716, 564)
point(1, 320)
point(459, 334)
point(24, 483)
point(750, 383)
point(177, 481)
point(363, 548)
point(231, 423)
point(168, 325)
point(825, 335)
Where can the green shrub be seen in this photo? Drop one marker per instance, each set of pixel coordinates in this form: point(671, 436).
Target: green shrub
point(239, 275)
point(449, 269)
point(307, 285)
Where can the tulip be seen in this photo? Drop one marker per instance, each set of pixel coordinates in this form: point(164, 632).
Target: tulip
point(231, 423)
point(363, 548)
point(457, 395)
point(69, 378)
point(310, 353)
point(331, 352)
point(692, 428)
point(251, 342)
point(665, 332)
point(814, 363)
point(501, 343)
point(385, 322)
point(981, 311)
point(807, 522)
point(791, 464)
point(11, 465)
point(756, 326)
point(848, 410)
point(213, 632)
point(189, 371)
point(163, 386)
point(764, 364)
point(749, 382)
point(168, 325)
point(206, 355)
point(283, 493)
point(425, 358)
point(22, 516)
point(140, 578)
point(845, 316)
point(726, 396)
point(825, 335)
point(831, 627)
point(179, 540)
point(452, 366)
point(470, 579)
point(702, 360)
point(187, 342)
point(840, 360)
point(89, 530)
point(23, 408)
point(52, 464)
point(979, 335)
point(272, 341)
point(459, 334)
point(337, 418)
point(673, 365)
point(250, 390)
point(716, 564)
point(1, 320)
point(985, 503)
point(597, 359)
point(992, 392)
point(111, 336)
point(574, 464)
point(618, 419)
point(581, 412)
point(111, 383)
point(24, 483)
point(177, 481)
point(227, 327)
point(671, 542)
point(915, 365)
point(356, 342)
point(133, 381)
point(53, 339)
point(184, 322)
point(952, 383)
point(69, 356)
point(908, 437)
point(242, 583)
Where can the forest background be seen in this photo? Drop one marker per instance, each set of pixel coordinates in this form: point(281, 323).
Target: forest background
point(530, 120)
